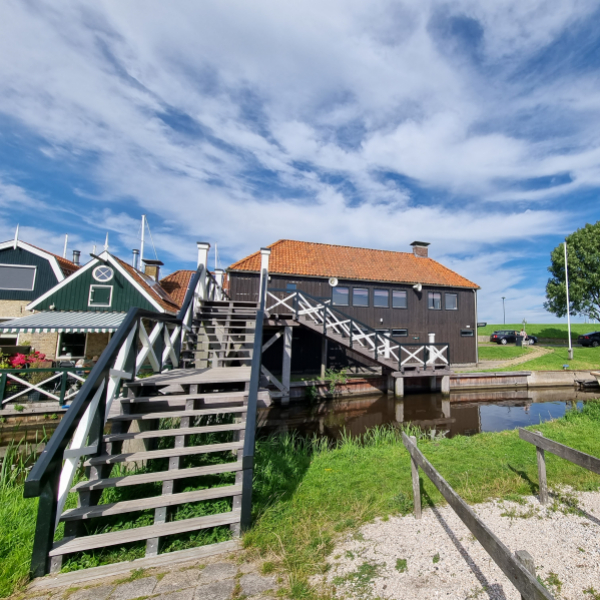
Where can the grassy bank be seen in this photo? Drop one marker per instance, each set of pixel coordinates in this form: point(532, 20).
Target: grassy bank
point(502, 352)
point(307, 493)
point(544, 330)
point(334, 490)
point(584, 359)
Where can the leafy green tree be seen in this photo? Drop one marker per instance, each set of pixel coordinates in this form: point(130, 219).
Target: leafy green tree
point(583, 248)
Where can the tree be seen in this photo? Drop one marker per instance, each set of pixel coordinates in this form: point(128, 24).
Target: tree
point(583, 257)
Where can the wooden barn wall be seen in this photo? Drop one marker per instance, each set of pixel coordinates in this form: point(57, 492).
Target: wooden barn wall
point(417, 318)
point(44, 276)
point(75, 295)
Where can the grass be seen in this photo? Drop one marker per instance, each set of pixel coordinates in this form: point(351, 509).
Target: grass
point(548, 331)
point(358, 480)
point(502, 352)
point(584, 359)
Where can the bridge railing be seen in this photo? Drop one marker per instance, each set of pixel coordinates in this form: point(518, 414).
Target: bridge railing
point(359, 335)
point(144, 337)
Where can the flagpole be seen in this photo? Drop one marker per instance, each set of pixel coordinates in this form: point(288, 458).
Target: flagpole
point(568, 304)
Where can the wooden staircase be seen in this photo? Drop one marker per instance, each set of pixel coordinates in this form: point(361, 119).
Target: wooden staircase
point(176, 441)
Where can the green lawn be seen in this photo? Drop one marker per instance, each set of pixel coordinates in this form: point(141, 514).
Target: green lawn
point(497, 352)
point(544, 330)
point(584, 359)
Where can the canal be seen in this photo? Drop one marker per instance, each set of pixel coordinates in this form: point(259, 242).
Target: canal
point(457, 414)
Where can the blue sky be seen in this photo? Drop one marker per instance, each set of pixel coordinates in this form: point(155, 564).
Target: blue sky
point(471, 125)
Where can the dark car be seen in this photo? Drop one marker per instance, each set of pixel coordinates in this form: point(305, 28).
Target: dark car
point(509, 336)
point(590, 339)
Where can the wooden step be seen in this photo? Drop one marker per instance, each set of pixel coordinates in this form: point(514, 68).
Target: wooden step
point(113, 459)
point(176, 414)
point(210, 396)
point(115, 538)
point(118, 508)
point(143, 478)
point(159, 433)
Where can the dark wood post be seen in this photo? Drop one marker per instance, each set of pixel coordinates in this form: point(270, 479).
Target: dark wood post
point(527, 561)
point(541, 465)
point(415, 482)
point(2, 388)
point(44, 527)
point(63, 387)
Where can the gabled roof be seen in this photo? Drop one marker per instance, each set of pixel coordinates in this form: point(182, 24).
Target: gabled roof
point(150, 289)
point(61, 266)
point(309, 259)
point(176, 285)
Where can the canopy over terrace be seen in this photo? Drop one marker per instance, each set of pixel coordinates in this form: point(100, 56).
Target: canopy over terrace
point(65, 322)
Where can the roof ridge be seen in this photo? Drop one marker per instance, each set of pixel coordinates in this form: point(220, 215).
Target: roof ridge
point(340, 246)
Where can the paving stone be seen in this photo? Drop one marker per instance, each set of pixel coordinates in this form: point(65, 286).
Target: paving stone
point(218, 590)
point(249, 567)
point(177, 580)
point(101, 592)
point(217, 571)
point(186, 594)
point(134, 589)
point(253, 584)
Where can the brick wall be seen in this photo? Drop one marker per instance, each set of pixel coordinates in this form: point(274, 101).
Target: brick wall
point(13, 308)
point(96, 342)
point(42, 342)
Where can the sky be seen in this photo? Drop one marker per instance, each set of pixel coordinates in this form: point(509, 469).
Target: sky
point(470, 125)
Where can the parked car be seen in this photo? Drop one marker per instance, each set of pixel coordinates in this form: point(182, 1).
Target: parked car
point(509, 336)
point(589, 339)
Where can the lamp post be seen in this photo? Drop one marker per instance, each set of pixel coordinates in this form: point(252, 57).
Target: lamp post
point(568, 304)
point(504, 309)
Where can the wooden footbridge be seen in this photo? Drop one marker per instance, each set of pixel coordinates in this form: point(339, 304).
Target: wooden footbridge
point(154, 459)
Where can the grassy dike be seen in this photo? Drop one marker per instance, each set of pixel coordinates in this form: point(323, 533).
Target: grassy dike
point(308, 493)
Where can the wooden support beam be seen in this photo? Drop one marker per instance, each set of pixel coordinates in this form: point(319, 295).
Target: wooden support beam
point(286, 367)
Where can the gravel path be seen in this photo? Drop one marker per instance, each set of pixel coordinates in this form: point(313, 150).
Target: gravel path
point(437, 557)
point(536, 352)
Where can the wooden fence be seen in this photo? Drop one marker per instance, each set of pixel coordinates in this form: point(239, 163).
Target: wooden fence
point(518, 568)
point(542, 444)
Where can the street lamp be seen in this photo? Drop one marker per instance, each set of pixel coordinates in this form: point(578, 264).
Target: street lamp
point(504, 309)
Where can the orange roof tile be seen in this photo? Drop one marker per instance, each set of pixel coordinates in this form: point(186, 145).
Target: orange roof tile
point(290, 257)
point(66, 266)
point(176, 285)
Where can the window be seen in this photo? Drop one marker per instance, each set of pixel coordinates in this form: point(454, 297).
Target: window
point(381, 298)
point(383, 331)
point(467, 333)
point(451, 301)
point(399, 332)
point(339, 296)
point(17, 277)
point(290, 287)
point(103, 273)
point(399, 299)
point(434, 301)
point(100, 295)
point(72, 343)
point(360, 297)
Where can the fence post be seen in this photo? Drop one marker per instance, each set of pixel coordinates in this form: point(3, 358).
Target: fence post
point(415, 482)
point(63, 387)
point(2, 388)
point(527, 561)
point(541, 464)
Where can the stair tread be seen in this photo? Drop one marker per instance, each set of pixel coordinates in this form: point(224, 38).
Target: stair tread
point(178, 413)
point(110, 459)
point(127, 480)
point(158, 433)
point(113, 538)
point(202, 396)
point(117, 508)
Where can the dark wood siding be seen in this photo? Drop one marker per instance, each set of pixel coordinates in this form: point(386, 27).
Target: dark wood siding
point(44, 276)
point(417, 317)
point(75, 294)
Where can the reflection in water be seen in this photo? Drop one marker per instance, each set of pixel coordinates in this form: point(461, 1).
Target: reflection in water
point(463, 413)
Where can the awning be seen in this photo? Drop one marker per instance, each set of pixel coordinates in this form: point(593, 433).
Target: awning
point(67, 322)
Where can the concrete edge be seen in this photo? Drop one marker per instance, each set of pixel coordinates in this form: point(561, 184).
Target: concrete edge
point(105, 571)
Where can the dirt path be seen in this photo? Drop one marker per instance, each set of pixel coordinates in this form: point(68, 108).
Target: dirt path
point(536, 352)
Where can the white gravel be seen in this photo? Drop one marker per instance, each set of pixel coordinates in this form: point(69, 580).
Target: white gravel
point(564, 546)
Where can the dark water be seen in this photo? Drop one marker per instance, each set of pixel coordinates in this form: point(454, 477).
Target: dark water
point(458, 414)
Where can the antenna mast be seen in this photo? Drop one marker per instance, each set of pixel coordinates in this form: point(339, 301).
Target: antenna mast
point(143, 236)
point(65, 248)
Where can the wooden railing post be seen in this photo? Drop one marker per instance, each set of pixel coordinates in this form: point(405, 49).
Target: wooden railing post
point(45, 524)
point(415, 482)
point(63, 387)
point(2, 388)
point(527, 561)
point(541, 465)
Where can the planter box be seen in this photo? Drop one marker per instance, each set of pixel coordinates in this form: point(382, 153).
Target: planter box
point(12, 350)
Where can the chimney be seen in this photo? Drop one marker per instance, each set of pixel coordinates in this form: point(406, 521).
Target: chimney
point(420, 249)
point(135, 259)
point(76, 255)
point(152, 268)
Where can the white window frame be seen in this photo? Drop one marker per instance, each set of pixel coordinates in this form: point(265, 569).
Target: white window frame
point(446, 294)
point(94, 285)
point(103, 280)
point(58, 345)
point(5, 289)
